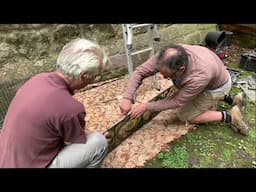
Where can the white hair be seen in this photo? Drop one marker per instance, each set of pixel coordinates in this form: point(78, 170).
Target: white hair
point(81, 56)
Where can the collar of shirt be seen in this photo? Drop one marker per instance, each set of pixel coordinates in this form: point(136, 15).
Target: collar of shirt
point(60, 81)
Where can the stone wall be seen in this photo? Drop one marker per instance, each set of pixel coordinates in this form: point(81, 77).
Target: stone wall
point(26, 49)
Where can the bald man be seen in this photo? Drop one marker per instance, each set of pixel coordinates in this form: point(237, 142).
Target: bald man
point(201, 79)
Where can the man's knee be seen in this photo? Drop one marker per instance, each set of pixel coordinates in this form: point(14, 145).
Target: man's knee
point(97, 139)
point(192, 121)
point(190, 118)
point(181, 116)
point(98, 142)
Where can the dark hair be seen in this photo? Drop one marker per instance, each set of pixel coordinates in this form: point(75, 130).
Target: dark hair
point(174, 61)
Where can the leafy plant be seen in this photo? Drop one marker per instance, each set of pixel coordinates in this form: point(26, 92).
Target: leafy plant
point(176, 158)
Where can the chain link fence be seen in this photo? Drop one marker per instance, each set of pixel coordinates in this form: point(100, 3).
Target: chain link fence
point(7, 92)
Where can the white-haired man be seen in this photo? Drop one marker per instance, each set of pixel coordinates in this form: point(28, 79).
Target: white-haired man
point(44, 125)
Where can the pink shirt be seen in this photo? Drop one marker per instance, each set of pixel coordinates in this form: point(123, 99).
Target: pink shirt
point(42, 115)
point(205, 71)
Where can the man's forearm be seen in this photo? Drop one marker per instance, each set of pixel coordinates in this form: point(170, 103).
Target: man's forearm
point(133, 84)
point(143, 71)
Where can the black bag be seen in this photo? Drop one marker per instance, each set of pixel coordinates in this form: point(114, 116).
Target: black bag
point(248, 61)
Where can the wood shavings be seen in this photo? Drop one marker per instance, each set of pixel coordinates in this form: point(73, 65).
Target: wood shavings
point(102, 102)
point(146, 143)
point(102, 112)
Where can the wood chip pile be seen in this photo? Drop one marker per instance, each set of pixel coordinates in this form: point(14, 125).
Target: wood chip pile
point(147, 142)
point(101, 103)
point(102, 112)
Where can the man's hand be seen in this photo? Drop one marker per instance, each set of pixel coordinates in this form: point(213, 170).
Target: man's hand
point(125, 106)
point(138, 110)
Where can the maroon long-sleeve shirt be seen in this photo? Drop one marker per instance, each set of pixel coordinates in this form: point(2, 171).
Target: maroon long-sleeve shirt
point(205, 71)
point(42, 115)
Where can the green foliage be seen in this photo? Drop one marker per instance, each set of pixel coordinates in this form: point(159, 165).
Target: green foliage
point(213, 145)
point(175, 158)
point(160, 156)
point(244, 74)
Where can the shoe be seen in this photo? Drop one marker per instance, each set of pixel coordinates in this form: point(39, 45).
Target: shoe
point(240, 100)
point(237, 122)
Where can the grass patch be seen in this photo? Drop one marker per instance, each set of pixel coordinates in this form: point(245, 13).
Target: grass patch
point(175, 158)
